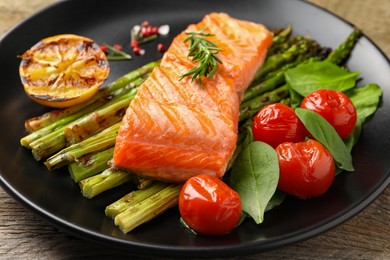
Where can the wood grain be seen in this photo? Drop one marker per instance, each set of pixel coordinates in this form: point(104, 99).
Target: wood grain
point(365, 236)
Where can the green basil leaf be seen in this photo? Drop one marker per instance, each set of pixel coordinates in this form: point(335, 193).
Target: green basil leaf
point(276, 200)
point(352, 139)
point(296, 99)
point(324, 133)
point(248, 138)
point(312, 76)
point(255, 177)
point(242, 218)
point(365, 99)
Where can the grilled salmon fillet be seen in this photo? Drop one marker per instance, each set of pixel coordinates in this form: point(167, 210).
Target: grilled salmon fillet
point(175, 129)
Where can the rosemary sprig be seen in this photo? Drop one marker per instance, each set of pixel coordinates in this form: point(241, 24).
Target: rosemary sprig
point(203, 51)
point(115, 54)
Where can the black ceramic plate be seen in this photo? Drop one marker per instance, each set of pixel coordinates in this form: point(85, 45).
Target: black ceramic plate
point(55, 197)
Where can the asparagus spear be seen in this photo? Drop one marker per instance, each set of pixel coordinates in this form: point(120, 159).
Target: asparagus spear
point(59, 124)
point(280, 41)
point(125, 81)
point(299, 51)
point(276, 78)
point(277, 49)
point(249, 108)
point(106, 180)
point(55, 141)
point(105, 116)
point(90, 164)
point(342, 52)
point(144, 183)
point(286, 101)
point(53, 116)
point(48, 144)
point(131, 76)
point(98, 142)
point(282, 36)
point(274, 62)
point(133, 198)
point(142, 212)
point(264, 86)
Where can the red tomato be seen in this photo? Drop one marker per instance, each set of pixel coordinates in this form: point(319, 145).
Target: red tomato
point(307, 168)
point(209, 206)
point(335, 107)
point(277, 123)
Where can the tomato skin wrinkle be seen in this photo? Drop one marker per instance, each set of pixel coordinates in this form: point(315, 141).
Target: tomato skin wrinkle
point(307, 169)
point(335, 107)
point(277, 123)
point(209, 206)
point(200, 190)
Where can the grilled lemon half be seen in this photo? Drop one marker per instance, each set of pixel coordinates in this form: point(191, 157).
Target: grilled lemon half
point(63, 70)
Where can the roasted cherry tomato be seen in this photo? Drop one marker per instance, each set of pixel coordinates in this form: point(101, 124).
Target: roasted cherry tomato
point(209, 206)
point(307, 168)
point(335, 107)
point(277, 123)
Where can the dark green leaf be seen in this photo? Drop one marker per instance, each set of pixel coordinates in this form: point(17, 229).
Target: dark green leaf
point(248, 138)
point(242, 218)
point(296, 99)
point(241, 146)
point(352, 139)
point(187, 227)
point(310, 77)
point(276, 200)
point(324, 133)
point(255, 176)
point(366, 100)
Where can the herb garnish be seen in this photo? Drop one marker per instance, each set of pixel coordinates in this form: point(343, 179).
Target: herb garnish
point(203, 51)
point(115, 53)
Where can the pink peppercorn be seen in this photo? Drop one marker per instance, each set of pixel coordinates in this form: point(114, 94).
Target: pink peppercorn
point(134, 44)
point(103, 48)
point(149, 30)
point(154, 30)
point(160, 47)
point(117, 47)
point(137, 50)
point(144, 32)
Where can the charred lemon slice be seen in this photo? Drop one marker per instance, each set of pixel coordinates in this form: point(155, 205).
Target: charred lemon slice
point(63, 70)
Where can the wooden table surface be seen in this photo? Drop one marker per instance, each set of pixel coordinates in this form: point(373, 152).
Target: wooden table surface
point(365, 236)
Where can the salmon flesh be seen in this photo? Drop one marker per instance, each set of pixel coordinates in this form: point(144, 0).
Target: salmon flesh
point(175, 129)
